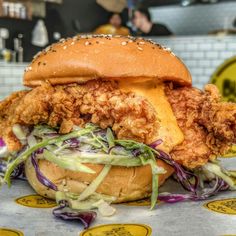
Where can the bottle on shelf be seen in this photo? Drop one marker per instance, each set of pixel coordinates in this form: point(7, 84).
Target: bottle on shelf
point(5, 54)
point(18, 53)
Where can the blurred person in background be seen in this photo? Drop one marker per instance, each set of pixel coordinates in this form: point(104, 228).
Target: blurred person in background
point(142, 21)
point(114, 26)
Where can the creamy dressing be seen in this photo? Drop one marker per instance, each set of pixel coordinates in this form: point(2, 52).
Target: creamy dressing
point(169, 130)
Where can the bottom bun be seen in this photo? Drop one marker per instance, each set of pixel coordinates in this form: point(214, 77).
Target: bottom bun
point(126, 184)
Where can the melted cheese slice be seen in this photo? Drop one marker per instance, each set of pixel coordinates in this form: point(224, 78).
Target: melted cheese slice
point(169, 130)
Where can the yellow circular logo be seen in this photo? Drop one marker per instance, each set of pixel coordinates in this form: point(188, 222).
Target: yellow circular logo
point(36, 201)
point(118, 229)
point(225, 79)
point(10, 232)
point(229, 235)
point(225, 206)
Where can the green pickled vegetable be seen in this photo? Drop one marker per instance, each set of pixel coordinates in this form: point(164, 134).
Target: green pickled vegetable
point(67, 163)
point(95, 183)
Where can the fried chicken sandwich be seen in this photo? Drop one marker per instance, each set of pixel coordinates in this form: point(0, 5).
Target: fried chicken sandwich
point(109, 119)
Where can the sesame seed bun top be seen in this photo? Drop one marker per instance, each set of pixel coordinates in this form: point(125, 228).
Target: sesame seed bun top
point(87, 57)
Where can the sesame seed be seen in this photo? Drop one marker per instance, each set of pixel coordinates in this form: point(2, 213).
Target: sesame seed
point(47, 49)
point(29, 68)
point(124, 41)
point(167, 49)
point(36, 55)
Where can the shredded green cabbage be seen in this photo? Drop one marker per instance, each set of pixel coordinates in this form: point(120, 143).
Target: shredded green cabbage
point(23, 157)
point(217, 170)
point(104, 208)
point(95, 183)
point(94, 201)
point(19, 132)
point(110, 138)
point(105, 159)
point(67, 163)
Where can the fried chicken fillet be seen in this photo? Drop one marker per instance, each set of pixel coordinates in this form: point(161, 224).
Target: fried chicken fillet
point(208, 125)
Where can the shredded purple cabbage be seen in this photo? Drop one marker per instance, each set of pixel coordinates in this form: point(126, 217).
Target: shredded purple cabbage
point(190, 182)
point(3, 167)
point(18, 172)
point(86, 217)
point(156, 143)
point(102, 133)
point(40, 176)
point(2, 143)
point(136, 152)
point(173, 198)
point(220, 185)
point(187, 179)
point(73, 142)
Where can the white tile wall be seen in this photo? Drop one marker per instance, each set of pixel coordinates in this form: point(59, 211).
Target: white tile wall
point(10, 78)
point(196, 19)
point(201, 54)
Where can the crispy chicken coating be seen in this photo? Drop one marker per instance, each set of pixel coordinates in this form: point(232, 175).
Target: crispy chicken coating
point(102, 103)
point(209, 125)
